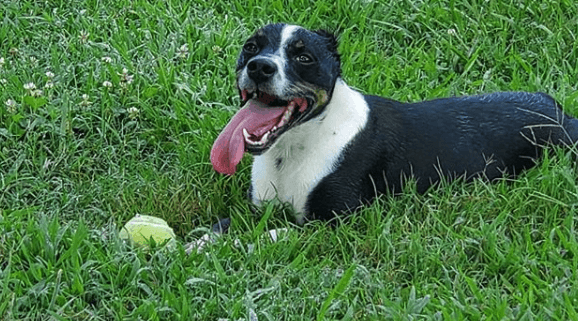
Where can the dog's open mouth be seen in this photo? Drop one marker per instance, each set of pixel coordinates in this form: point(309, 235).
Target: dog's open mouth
point(284, 112)
point(255, 127)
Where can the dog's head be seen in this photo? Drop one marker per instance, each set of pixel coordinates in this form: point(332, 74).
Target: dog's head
point(285, 76)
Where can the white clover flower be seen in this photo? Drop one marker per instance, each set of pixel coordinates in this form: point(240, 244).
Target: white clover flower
point(49, 74)
point(2, 61)
point(183, 52)
point(33, 61)
point(36, 93)
point(126, 77)
point(49, 85)
point(133, 112)
point(217, 49)
point(30, 86)
point(107, 84)
point(10, 106)
point(106, 59)
point(13, 51)
point(3, 81)
point(452, 32)
point(85, 101)
point(10, 103)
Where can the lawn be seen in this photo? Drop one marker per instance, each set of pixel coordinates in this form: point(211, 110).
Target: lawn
point(110, 108)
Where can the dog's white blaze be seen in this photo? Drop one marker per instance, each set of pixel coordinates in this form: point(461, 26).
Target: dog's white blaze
point(310, 151)
point(281, 84)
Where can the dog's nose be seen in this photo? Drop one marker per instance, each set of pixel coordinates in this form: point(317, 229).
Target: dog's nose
point(261, 70)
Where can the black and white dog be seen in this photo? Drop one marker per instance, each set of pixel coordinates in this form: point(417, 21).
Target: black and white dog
point(325, 148)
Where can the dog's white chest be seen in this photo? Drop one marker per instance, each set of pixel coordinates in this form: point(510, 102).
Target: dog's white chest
point(292, 168)
point(304, 155)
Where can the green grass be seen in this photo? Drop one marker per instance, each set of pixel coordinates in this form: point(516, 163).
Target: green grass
point(74, 168)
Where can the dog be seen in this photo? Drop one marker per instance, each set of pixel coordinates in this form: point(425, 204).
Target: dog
point(327, 149)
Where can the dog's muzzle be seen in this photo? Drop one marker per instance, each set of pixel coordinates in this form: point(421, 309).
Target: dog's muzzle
point(261, 70)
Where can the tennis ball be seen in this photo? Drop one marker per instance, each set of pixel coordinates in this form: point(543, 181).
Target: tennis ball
point(141, 228)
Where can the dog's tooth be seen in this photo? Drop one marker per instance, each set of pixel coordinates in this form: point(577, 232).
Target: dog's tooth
point(263, 139)
point(248, 139)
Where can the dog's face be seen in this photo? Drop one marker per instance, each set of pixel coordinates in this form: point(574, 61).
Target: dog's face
point(285, 76)
point(289, 67)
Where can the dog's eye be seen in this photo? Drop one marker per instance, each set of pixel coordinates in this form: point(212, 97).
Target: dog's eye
point(304, 59)
point(250, 48)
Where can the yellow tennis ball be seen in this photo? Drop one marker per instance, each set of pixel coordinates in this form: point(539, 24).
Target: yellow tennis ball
point(141, 228)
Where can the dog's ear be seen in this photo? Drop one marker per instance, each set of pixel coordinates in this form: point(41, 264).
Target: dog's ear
point(331, 38)
point(331, 44)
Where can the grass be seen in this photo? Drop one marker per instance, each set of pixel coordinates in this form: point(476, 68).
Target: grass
point(100, 144)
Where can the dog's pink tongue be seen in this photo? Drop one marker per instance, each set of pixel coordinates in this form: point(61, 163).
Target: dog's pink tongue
point(257, 118)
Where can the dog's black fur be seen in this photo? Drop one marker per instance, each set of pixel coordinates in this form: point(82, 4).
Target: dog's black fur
point(486, 136)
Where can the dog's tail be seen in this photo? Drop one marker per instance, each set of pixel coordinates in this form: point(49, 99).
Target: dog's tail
point(568, 124)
